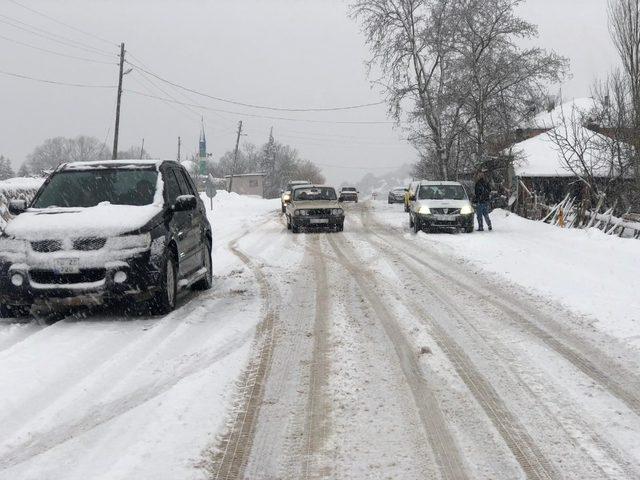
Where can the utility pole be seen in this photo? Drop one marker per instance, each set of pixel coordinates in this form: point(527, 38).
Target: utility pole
point(235, 157)
point(179, 145)
point(117, 129)
point(142, 149)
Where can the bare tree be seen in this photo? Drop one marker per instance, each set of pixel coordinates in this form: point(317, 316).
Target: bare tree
point(624, 25)
point(580, 149)
point(412, 42)
point(453, 72)
point(503, 79)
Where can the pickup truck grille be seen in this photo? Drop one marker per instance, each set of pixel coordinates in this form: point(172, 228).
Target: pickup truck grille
point(445, 211)
point(49, 277)
point(87, 244)
point(46, 246)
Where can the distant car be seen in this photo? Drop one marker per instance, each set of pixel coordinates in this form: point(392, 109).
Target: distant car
point(440, 205)
point(410, 192)
point(285, 195)
point(349, 194)
point(106, 232)
point(397, 195)
point(314, 206)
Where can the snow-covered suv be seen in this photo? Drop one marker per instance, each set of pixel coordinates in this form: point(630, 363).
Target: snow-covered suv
point(106, 232)
point(443, 205)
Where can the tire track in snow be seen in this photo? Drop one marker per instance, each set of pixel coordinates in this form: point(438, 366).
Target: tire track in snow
point(441, 440)
point(103, 413)
point(235, 446)
point(317, 422)
point(603, 374)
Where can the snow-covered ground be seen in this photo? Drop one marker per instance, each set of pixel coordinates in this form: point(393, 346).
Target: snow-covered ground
point(372, 353)
point(590, 273)
point(109, 397)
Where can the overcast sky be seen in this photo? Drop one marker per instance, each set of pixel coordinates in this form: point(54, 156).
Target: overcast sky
point(285, 53)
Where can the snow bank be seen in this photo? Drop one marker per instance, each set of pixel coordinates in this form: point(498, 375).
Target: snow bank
point(588, 272)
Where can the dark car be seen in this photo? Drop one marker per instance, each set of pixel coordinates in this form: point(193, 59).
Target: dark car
point(397, 195)
point(106, 232)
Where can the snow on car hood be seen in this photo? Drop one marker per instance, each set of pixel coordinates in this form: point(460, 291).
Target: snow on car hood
point(103, 220)
point(316, 204)
point(447, 203)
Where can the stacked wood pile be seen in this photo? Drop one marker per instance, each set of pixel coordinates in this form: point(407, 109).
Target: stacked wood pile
point(570, 213)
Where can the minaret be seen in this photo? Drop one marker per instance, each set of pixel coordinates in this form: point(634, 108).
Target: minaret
point(202, 151)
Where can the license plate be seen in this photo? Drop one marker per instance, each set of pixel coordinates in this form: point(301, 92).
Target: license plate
point(446, 218)
point(319, 220)
point(66, 265)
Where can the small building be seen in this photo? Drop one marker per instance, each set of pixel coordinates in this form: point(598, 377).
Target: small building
point(246, 183)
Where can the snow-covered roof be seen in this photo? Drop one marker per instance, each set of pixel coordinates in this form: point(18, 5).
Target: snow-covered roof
point(438, 182)
point(247, 175)
point(581, 106)
point(113, 164)
point(541, 158)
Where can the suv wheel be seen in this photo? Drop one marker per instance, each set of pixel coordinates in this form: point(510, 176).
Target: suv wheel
point(288, 222)
point(164, 301)
point(410, 220)
point(206, 282)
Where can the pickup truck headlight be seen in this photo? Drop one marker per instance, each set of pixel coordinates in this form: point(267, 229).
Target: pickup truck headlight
point(424, 210)
point(337, 212)
point(12, 245)
point(466, 210)
point(131, 242)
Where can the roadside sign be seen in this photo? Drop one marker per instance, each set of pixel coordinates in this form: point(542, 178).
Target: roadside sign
point(210, 189)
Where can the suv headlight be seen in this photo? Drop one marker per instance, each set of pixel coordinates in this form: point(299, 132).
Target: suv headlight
point(466, 210)
point(424, 210)
point(131, 242)
point(12, 245)
point(337, 212)
point(286, 197)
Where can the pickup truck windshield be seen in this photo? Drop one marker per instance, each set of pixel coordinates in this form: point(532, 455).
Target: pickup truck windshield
point(318, 194)
point(442, 192)
point(88, 188)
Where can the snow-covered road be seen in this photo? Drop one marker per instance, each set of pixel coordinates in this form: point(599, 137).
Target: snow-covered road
point(372, 353)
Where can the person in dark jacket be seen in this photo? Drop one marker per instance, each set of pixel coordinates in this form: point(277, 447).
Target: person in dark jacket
point(483, 195)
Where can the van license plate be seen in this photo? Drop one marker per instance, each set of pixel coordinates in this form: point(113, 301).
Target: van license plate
point(445, 218)
point(66, 265)
point(319, 220)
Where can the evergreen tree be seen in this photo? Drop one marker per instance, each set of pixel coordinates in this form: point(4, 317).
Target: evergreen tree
point(24, 170)
point(6, 170)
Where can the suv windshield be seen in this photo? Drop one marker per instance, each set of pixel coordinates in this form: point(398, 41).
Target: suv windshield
point(310, 194)
point(442, 192)
point(88, 188)
point(348, 189)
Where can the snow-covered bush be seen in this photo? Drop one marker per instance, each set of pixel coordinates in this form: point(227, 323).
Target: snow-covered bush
point(13, 189)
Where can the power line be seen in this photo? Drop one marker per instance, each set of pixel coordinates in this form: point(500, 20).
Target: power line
point(250, 105)
point(52, 52)
point(52, 36)
point(286, 119)
point(54, 82)
point(62, 23)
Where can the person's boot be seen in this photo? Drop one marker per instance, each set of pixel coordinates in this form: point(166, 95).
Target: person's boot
point(490, 228)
